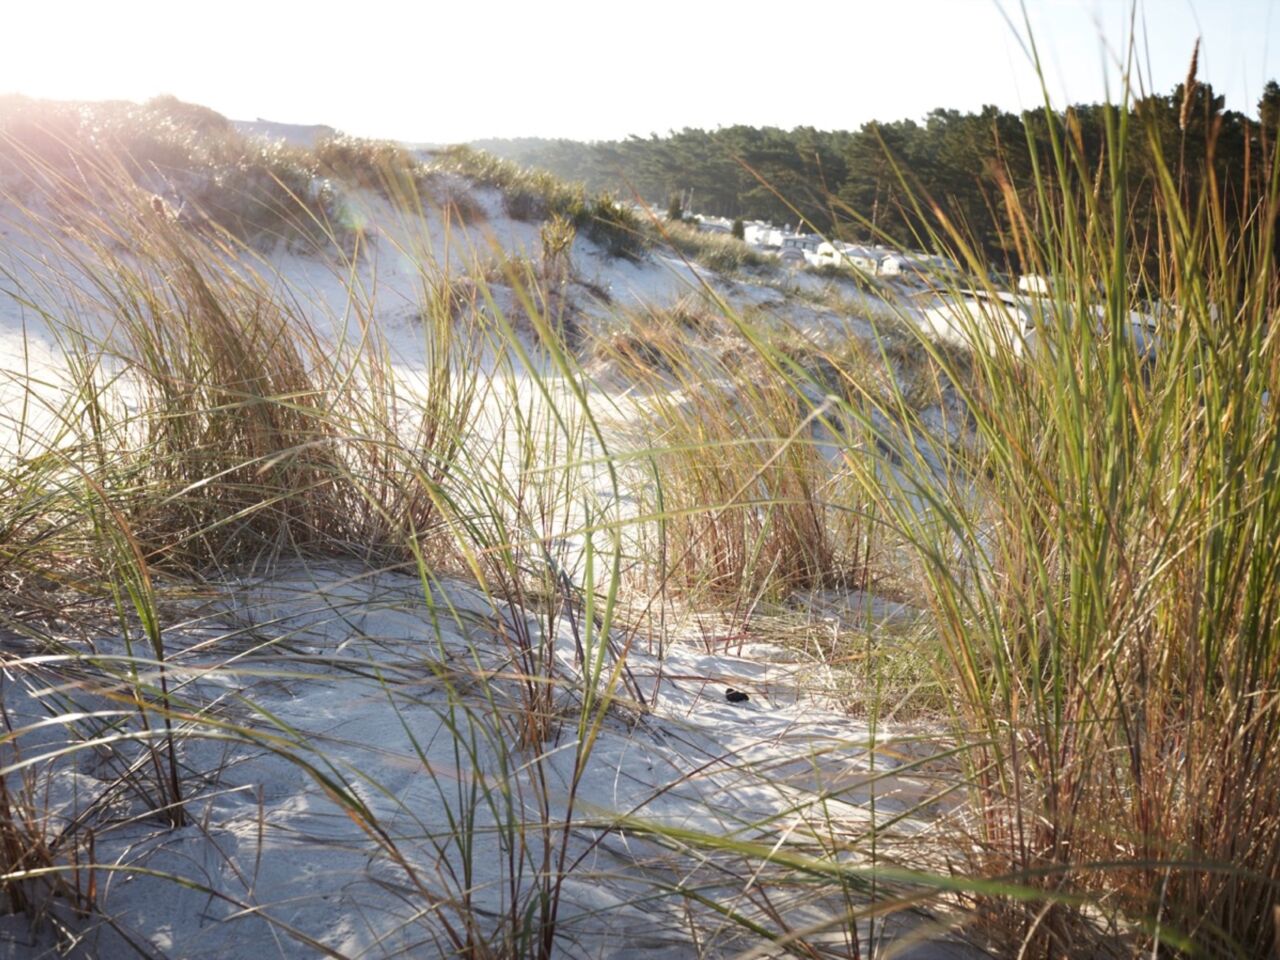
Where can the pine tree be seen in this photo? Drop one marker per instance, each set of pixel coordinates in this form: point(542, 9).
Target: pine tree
point(1269, 110)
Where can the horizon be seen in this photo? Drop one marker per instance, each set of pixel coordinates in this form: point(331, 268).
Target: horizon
point(535, 74)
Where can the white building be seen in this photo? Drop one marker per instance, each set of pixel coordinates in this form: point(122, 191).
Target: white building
point(800, 248)
point(1035, 285)
point(804, 242)
point(849, 255)
point(894, 265)
point(761, 234)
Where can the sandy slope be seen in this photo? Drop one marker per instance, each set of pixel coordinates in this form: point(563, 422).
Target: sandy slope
point(347, 666)
point(355, 671)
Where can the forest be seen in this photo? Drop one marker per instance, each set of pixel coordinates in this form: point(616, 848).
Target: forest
point(875, 183)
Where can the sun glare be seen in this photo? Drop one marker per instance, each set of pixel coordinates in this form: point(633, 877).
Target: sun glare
point(448, 72)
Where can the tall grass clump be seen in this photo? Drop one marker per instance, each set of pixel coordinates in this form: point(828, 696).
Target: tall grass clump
point(233, 451)
point(1105, 581)
point(212, 413)
point(745, 502)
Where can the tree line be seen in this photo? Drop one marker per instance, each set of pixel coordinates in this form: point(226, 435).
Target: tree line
point(892, 180)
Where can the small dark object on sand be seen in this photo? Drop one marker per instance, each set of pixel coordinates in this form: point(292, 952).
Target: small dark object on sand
point(735, 696)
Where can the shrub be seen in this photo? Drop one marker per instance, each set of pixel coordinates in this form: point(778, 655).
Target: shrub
point(615, 228)
point(745, 504)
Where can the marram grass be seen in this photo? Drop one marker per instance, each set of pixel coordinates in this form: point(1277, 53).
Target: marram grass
point(1096, 546)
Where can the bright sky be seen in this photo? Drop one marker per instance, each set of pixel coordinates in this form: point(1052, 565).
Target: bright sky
point(425, 70)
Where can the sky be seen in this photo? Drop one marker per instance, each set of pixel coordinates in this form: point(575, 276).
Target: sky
point(433, 72)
